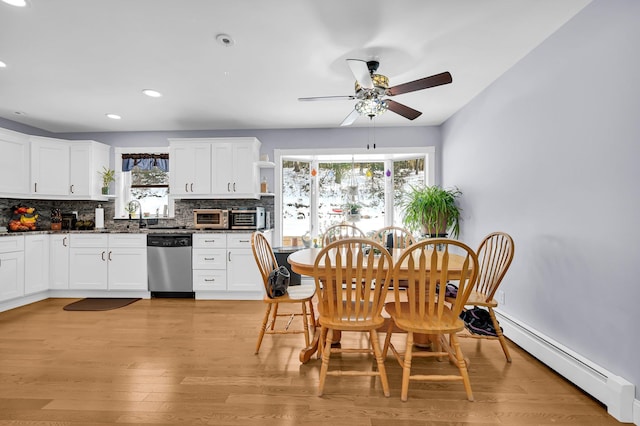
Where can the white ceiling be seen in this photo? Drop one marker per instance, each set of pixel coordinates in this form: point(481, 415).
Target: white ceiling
point(70, 62)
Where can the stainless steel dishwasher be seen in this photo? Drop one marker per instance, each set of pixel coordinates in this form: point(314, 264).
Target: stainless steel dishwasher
point(169, 265)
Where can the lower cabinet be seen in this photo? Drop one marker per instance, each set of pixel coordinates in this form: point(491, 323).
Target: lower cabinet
point(108, 262)
point(59, 261)
point(36, 262)
point(224, 267)
point(11, 267)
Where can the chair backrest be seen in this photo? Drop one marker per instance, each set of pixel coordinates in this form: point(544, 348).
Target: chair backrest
point(495, 254)
point(264, 256)
point(340, 231)
point(427, 267)
point(352, 278)
point(401, 237)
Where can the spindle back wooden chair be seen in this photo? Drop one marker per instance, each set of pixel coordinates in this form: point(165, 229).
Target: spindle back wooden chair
point(420, 308)
point(301, 295)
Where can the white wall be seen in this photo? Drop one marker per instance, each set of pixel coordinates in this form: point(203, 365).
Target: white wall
point(549, 153)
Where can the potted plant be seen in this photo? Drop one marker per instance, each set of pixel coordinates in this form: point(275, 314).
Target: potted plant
point(352, 211)
point(432, 210)
point(108, 176)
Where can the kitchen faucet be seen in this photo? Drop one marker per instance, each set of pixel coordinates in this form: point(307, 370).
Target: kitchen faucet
point(137, 203)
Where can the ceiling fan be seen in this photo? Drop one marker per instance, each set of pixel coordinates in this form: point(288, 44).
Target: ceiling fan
point(371, 90)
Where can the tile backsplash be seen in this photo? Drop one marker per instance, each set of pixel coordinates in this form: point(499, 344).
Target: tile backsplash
point(86, 210)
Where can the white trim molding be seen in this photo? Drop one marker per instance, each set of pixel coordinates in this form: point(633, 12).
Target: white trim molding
point(617, 393)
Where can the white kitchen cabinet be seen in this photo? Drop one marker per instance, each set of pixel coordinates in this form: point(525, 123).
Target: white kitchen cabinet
point(242, 271)
point(36, 261)
point(214, 167)
point(233, 167)
point(209, 262)
point(87, 160)
point(14, 163)
point(49, 166)
point(11, 267)
point(190, 167)
point(59, 261)
point(108, 262)
point(224, 267)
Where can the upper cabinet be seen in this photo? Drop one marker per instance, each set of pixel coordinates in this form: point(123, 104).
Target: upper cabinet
point(87, 158)
point(214, 167)
point(49, 166)
point(190, 168)
point(14, 163)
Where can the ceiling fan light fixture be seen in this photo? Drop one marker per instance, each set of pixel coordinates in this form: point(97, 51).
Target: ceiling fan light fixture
point(371, 107)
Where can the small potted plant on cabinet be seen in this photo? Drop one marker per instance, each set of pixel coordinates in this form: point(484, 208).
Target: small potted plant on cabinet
point(108, 176)
point(431, 210)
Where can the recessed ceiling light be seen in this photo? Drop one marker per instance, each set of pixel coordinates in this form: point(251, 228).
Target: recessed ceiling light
point(18, 3)
point(225, 40)
point(152, 93)
point(113, 116)
point(2, 65)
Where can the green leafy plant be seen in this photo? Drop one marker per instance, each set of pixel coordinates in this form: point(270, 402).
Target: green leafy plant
point(108, 176)
point(431, 209)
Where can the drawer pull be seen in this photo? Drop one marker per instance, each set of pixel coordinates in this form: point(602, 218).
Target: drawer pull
point(244, 241)
point(209, 241)
point(210, 280)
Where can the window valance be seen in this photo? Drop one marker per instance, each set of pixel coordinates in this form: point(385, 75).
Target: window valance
point(145, 161)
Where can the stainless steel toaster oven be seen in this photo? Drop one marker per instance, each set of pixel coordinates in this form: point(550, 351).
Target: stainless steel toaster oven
point(251, 218)
point(211, 219)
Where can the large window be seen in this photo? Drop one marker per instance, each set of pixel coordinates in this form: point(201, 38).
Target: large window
point(320, 190)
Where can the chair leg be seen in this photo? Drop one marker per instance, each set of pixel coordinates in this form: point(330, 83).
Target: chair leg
point(387, 339)
point(326, 354)
point(305, 324)
point(462, 365)
point(263, 327)
point(501, 338)
point(275, 316)
point(406, 367)
point(375, 343)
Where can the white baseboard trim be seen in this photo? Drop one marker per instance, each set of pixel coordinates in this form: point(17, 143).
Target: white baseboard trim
point(613, 391)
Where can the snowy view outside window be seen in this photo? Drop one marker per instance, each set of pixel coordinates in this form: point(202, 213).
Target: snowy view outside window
point(343, 189)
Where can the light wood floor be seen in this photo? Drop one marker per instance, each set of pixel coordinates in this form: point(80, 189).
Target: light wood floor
point(188, 362)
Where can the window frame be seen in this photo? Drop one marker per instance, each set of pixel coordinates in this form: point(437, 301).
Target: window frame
point(120, 187)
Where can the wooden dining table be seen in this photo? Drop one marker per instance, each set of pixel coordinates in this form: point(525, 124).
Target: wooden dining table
point(302, 262)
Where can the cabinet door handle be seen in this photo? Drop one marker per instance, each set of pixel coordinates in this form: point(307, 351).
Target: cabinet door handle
point(64, 242)
point(228, 186)
point(234, 187)
point(102, 255)
point(35, 187)
point(229, 256)
point(186, 187)
point(71, 189)
point(192, 187)
point(109, 256)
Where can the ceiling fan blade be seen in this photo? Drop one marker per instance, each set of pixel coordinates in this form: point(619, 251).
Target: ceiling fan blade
point(350, 118)
point(423, 83)
point(403, 110)
point(360, 71)
point(328, 98)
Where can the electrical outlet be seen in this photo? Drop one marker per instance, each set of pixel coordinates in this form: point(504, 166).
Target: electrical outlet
point(501, 297)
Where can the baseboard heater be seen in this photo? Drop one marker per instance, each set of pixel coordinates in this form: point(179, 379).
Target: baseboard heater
point(616, 393)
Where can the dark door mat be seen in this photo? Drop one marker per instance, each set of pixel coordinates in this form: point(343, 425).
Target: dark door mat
point(99, 304)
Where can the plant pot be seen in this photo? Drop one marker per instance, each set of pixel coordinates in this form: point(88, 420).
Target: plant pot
point(56, 226)
point(105, 190)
